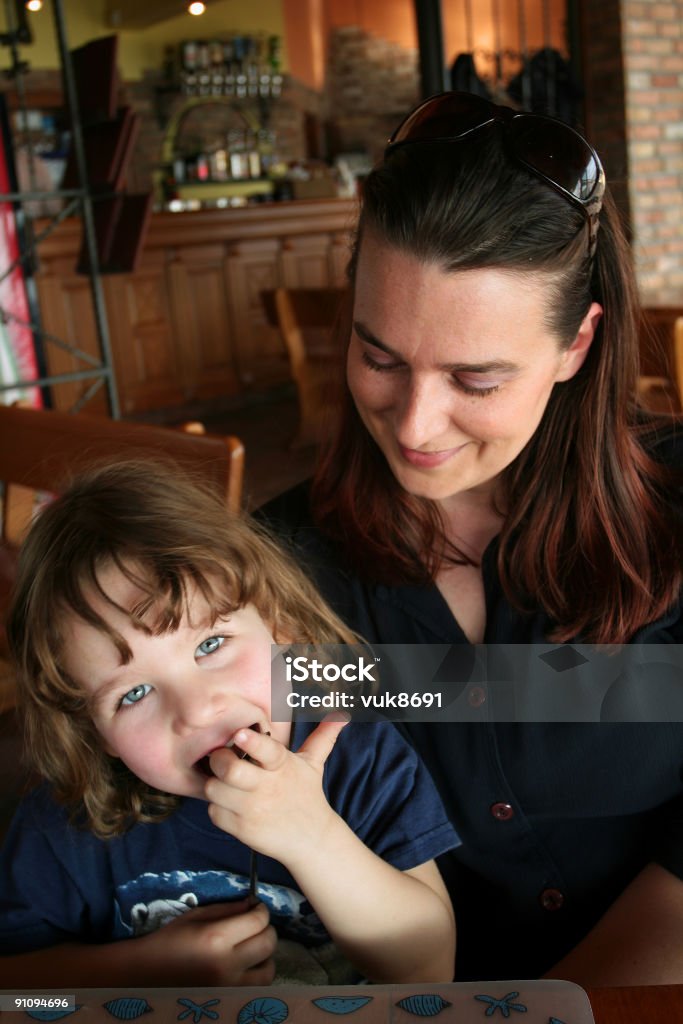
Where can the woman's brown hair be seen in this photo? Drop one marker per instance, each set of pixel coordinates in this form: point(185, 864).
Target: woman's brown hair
point(589, 536)
point(169, 535)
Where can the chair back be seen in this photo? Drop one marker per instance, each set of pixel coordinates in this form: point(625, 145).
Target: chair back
point(660, 385)
point(678, 357)
point(305, 318)
point(41, 448)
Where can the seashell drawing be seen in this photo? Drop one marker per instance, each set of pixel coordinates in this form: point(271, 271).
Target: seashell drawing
point(50, 1014)
point(263, 1011)
point(427, 1005)
point(341, 1004)
point(128, 1007)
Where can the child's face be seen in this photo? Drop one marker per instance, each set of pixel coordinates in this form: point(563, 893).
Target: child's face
point(181, 695)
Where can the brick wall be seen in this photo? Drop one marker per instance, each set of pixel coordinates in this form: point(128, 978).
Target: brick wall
point(633, 70)
point(602, 72)
point(653, 65)
point(632, 56)
point(370, 85)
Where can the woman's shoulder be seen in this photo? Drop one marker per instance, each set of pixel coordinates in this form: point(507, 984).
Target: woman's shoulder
point(289, 518)
point(288, 513)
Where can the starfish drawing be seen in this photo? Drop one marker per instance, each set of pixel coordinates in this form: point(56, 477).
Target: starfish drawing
point(504, 1004)
point(198, 1010)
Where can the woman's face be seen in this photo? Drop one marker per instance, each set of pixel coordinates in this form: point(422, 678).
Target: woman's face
point(451, 371)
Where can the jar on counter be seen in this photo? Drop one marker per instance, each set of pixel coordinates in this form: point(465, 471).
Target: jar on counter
point(218, 165)
point(239, 158)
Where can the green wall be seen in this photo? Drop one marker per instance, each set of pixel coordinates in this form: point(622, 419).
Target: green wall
point(143, 49)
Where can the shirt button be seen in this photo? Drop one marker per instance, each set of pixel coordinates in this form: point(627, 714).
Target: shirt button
point(477, 696)
point(502, 812)
point(551, 899)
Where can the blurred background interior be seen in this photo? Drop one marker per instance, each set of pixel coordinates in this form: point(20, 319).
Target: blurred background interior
point(174, 169)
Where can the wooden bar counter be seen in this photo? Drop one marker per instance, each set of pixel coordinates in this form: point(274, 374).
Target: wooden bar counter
point(188, 325)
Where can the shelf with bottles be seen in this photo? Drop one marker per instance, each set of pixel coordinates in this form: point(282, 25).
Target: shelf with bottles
point(238, 161)
point(240, 67)
point(40, 143)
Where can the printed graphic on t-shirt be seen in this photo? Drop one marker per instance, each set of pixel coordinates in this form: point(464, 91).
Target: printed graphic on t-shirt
point(151, 900)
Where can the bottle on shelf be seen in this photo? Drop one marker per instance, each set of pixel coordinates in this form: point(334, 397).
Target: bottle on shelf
point(247, 67)
point(239, 50)
point(239, 158)
point(253, 156)
point(204, 75)
point(218, 164)
point(188, 66)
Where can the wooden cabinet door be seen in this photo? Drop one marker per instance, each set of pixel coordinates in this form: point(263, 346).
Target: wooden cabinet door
point(316, 261)
point(189, 324)
point(252, 267)
point(306, 261)
point(145, 358)
point(201, 314)
point(145, 350)
point(67, 314)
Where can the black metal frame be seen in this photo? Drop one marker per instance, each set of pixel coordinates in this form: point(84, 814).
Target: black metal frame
point(79, 200)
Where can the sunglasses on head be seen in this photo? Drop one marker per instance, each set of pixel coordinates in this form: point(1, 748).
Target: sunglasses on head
point(549, 148)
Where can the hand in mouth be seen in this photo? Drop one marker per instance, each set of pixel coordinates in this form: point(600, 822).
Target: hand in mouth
point(203, 765)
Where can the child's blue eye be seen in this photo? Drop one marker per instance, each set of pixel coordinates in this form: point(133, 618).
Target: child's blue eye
point(208, 646)
point(135, 695)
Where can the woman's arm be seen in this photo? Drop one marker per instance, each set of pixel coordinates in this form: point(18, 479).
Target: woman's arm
point(639, 941)
point(222, 944)
point(394, 926)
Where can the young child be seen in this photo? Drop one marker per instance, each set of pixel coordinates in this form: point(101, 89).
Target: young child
point(142, 626)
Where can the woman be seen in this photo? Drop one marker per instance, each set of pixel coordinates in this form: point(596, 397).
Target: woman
point(492, 480)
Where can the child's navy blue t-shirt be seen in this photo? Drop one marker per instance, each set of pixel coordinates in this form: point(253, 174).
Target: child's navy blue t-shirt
point(59, 883)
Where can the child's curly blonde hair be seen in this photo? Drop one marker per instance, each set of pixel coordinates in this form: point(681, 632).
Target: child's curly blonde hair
point(169, 535)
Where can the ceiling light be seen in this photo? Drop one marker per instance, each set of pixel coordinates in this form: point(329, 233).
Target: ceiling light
point(196, 7)
point(34, 5)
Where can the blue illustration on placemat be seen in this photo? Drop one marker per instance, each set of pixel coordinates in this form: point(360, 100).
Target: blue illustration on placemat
point(128, 1007)
point(504, 1004)
point(198, 1010)
point(555, 1020)
point(263, 1011)
point(341, 1004)
point(51, 1014)
point(425, 1005)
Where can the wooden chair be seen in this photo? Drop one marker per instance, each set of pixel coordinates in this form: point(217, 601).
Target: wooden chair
point(660, 386)
point(305, 318)
point(40, 449)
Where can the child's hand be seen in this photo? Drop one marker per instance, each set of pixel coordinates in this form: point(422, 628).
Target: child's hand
point(221, 944)
point(273, 800)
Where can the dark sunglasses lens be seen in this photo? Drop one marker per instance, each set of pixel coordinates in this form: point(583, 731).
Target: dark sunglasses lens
point(558, 152)
point(443, 117)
